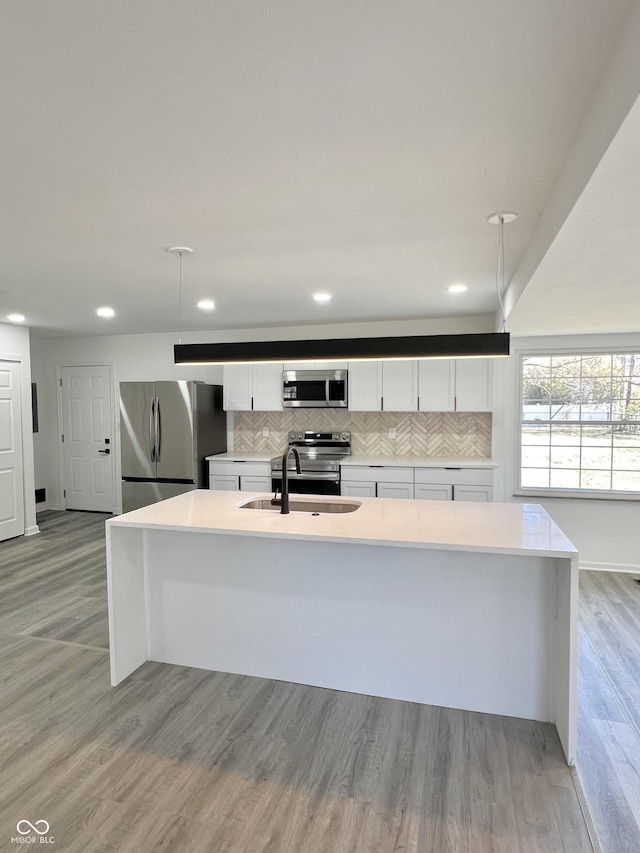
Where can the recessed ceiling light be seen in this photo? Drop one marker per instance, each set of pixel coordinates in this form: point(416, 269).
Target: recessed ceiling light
point(322, 297)
point(207, 304)
point(16, 318)
point(457, 288)
point(105, 312)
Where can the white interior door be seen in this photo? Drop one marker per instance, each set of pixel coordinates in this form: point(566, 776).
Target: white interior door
point(11, 474)
point(87, 440)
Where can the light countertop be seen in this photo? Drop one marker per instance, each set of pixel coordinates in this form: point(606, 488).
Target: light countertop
point(231, 456)
point(420, 461)
point(393, 461)
point(513, 528)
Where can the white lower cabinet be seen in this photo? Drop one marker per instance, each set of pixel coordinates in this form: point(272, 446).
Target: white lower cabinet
point(394, 490)
point(427, 484)
point(433, 492)
point(255, 484)
point(355, 489)
point(224, 483)
point(472, 493)
point(458, 484)
point(377, 481)
point(232, 475)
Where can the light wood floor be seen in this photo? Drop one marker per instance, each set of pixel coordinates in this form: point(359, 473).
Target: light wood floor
point(609, 706)
point(180, 759)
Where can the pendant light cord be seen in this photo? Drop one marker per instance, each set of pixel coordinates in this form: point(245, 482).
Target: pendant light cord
point(180, 250)
point(180, 303)
point(500, 273)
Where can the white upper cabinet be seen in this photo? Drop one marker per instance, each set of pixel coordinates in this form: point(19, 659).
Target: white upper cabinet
point(267, 387)
point(256, 387)
point(365, 386)
point(237, 387)
point(436, 385)
point(432, 385)
point(399, 386)
point(389, 386)
point(473, 384)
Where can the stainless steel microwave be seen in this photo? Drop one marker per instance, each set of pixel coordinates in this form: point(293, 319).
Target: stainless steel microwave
point(314, 389)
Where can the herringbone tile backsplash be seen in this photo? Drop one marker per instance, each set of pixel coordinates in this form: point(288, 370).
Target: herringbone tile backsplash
point(417, 433)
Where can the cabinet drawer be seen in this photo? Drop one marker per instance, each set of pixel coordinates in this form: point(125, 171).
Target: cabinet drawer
point(473, 493)
point(255, 484)
point(376, 473)
point(357, 489)
point(225, 483)
point(432, 492)
point(402, 491)
point(455, 476)
point(227, 468)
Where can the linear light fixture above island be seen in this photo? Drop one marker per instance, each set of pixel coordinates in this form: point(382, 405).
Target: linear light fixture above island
point(478, 345)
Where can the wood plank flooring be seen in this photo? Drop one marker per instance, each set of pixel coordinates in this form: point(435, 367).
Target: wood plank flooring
point(178, 759)
point(609, 706)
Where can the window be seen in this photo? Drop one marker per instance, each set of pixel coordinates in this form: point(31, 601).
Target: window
point(580, 422)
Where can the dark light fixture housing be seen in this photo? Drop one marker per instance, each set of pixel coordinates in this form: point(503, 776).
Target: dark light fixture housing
point(479, 345)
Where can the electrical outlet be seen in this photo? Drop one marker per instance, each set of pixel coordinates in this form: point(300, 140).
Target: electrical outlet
point(392, 432)
point(265, 432)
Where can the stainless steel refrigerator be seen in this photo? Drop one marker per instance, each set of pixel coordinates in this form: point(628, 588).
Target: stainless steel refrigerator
point(166, 431)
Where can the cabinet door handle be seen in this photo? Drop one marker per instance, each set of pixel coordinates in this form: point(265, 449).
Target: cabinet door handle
point(382, 404)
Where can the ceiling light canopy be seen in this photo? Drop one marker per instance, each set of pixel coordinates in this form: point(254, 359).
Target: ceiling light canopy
point(457, 288)
point(322, 297)
point(16, 318)
point(105, 312)
point(206, 304)
point(480, 345)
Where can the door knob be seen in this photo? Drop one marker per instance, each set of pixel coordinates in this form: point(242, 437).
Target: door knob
point(106, 452)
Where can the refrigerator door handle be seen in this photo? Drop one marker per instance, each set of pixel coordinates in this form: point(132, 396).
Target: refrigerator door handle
point(152, 433)
point(158, 430)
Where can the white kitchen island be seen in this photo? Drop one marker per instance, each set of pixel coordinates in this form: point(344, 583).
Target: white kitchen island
point(465, 605)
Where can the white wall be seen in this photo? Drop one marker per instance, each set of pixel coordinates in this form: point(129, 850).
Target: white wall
point(605, 532)
point(14, 344)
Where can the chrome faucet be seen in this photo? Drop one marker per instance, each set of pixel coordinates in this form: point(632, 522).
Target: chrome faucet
point(284, 495)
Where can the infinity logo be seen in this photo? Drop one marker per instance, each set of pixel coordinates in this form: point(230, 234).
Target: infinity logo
point(32, 827)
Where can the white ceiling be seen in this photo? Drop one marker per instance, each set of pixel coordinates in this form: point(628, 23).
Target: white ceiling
point(355, 147)
point(589, 280)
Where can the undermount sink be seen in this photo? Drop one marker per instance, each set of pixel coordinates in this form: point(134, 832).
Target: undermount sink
point(317, 506)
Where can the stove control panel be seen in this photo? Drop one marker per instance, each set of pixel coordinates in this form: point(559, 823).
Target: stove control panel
point(324, 438)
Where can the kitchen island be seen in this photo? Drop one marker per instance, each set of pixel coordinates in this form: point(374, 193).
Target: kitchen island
point(465, 605)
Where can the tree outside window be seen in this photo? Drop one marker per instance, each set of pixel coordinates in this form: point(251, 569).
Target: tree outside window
point(580, 422)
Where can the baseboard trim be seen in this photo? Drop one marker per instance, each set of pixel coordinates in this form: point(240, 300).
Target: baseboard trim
point(31, 531)
point(610, 567)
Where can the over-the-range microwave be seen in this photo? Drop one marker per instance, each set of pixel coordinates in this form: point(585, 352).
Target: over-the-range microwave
point(314, 389)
